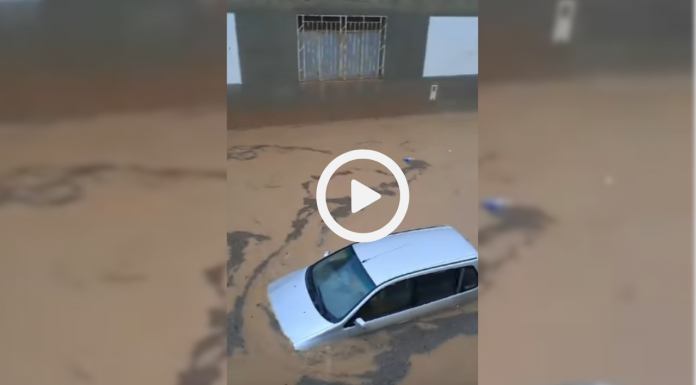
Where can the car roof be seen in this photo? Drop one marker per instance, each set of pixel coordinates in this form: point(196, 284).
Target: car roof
point(414, 250)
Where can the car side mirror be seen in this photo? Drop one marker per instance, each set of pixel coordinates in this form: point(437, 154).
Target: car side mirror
point(360, 322)
point(326, 253)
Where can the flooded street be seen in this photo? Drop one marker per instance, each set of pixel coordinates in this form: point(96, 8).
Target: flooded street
point(112, 257)
point(274, 229)
point(592, 281)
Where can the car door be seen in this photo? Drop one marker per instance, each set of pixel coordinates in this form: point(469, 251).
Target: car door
point(435, 291)
point(391, 305)
point(468, 286)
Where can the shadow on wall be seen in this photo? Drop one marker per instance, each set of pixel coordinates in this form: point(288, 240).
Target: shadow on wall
point(66, 58)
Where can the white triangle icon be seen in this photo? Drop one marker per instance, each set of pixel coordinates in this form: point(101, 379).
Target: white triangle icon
point(361, 196)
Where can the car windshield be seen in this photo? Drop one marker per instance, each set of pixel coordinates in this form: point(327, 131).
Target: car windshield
point(339, 283)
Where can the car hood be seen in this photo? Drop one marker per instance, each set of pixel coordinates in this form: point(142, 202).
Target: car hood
point(293, 308)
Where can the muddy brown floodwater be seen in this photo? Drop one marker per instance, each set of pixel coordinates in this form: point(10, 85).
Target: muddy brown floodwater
point(591, 280)
point(274, 228)
point(112, 258)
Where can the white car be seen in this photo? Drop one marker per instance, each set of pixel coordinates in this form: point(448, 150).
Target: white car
point(369, 286)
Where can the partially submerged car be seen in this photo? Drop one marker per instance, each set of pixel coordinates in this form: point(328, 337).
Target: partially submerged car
point(368, 286)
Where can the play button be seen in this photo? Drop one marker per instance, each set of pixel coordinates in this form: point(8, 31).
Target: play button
point(361, 196)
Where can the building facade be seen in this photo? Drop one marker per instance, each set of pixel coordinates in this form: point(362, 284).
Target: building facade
point(59, 56)
point(307, 61)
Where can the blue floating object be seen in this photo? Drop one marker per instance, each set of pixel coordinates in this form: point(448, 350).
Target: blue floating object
point(495, 205)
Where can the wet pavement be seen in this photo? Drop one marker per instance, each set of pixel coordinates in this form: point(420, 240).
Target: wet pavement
point(274, 228)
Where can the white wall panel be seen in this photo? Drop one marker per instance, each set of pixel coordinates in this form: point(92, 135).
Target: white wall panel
point(452, 47)
point(234, 75)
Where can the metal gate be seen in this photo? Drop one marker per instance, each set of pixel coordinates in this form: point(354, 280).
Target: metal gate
point(341, 47)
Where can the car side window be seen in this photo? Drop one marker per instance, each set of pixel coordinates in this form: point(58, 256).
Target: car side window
point(391, 299)
point(470, 279)
point(436, 286)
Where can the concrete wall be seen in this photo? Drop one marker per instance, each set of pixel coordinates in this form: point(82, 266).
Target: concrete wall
point(57, 57)
point(270, 92)
point(431, 7)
